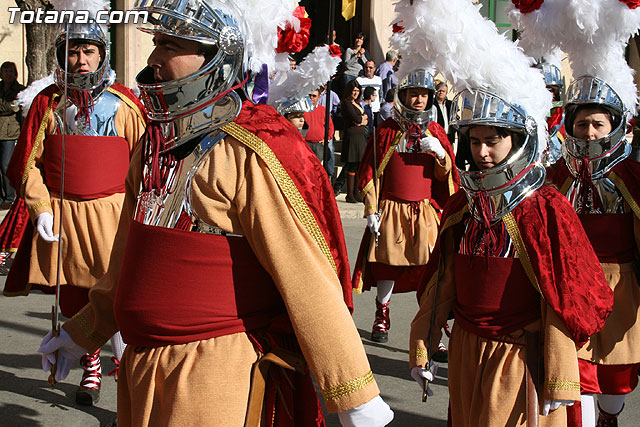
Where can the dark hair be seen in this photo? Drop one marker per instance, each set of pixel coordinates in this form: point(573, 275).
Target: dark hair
point(573, 110)
point(360, 35)
point(295, 115)
point(9, 64)
point(464, 143)
point(348, 89)
point(391, 94)
point(208, 51)
point(60, 54)
point(368, 92)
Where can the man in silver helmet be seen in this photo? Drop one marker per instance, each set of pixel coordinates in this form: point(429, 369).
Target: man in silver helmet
point(414, 178)
point(100, 123)
point(229, 279)
point(513, 265)
point(601, 182)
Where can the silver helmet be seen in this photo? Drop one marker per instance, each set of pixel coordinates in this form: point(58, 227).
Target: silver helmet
point(604, 153)
point(422, 79)
point(552, 75)
point(90, 33)
point(206, 91)
point(522, 172)
point(303, 105)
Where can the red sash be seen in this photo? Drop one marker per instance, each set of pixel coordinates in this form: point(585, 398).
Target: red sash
point(95, 166)
point(611, 236)
point(407, 175)
point(178, 286)
point(494, 295)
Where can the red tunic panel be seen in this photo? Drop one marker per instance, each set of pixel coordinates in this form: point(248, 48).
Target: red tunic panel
point(494, 295)
point(95, 166)
point(178, 286)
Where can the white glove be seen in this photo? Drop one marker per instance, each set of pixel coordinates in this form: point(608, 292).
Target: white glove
point(68, 353)
point(552, 405)
point(374, 413)
point(431, 144)
point(421, 374)
point(44, 225)
point(373, 222)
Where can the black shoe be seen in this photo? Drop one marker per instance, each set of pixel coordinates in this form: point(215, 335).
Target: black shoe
point(87, 397)
point(379, 336)
point(441, 356)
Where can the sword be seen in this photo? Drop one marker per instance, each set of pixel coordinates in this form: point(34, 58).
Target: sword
point(55, 310)
point(375, 183)
point(433, 320)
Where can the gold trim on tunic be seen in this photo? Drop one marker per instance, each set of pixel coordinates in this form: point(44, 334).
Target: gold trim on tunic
point(523, 255)
point(41, 204)
point(87, 329)
point(351, 386)
point(285, 183)
point(129, 102)
point(383, 164)
point(39, 138)
point(625, 193)
point(563, 385)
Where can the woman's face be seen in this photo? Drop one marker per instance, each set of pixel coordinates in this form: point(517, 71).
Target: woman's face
point(355, 93)
point(488, 148)
point(591, 124)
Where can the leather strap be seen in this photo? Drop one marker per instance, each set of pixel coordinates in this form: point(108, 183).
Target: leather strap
point(279, 358)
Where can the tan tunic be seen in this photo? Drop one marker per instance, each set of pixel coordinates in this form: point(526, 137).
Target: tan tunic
point(487, 377)
point(206, 382)
point(89, 226)
point(407, 233)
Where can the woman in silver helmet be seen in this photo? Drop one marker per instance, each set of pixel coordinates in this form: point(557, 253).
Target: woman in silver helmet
point(100, 122)
point(601, 183)
point(414, 178)
point(513, 265)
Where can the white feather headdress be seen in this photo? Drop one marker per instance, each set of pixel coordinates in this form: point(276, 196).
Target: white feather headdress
point(468, 50)
point(27, 95)
point(314, 71)
point(593, 33)
point(259, 21)
point(411, 42)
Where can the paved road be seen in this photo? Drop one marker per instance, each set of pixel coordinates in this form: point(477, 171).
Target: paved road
point(27, 400)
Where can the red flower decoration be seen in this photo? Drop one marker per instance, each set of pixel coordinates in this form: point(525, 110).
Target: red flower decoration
point(631, 3)
point(397, 28)
point(334, 50)
point(526, 6)
point(291, 42)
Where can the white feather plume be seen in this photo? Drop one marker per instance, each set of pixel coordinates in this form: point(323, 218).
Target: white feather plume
point(593, 33)
point(259, 21)
point(469, 51)
point(314, 71)
point(28, 94)
point(92, 6)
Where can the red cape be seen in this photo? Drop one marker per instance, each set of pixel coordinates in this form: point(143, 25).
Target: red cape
point(566, 269)
point(388, 135)
point(305, 170)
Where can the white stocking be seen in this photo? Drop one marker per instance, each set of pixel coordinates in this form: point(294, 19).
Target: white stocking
point(385, 288)
point(588, 410)
point(118, 345)
point(611, 403)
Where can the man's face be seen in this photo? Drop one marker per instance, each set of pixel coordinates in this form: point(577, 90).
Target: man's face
point(488, 148)
point(591, 124)
point(174, 57)
point(416, 98)
point(84, 58)
point(315, 97)
point(369, 69)
point(441, 94)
